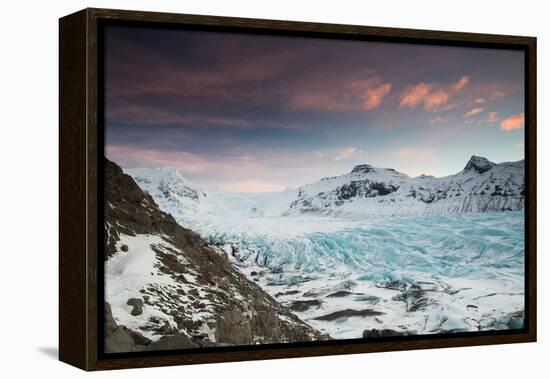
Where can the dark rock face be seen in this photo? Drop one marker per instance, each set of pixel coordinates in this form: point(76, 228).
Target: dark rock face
point(137, 305)
point(172, 342)
point(362, 169)
point(479, 164)
point(364, 188)
point(349, 313)
point(304, 305)
point(340, 294)
point(482, 186)
point(119, 338)
point(240, 311)
point(380, 333)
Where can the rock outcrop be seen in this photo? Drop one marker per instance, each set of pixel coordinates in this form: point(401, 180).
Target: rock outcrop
point(192, 296)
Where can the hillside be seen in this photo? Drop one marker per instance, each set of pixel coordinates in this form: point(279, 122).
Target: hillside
point(166, 288)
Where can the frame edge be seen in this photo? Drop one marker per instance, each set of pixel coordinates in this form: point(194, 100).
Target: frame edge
point(72, 194)
point(78, 190)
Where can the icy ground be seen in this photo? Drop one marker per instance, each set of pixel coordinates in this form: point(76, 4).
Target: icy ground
point(424, 274)
point(343, 275)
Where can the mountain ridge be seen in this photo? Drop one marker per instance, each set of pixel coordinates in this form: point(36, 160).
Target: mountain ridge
point(168, 288)
point(481, 186)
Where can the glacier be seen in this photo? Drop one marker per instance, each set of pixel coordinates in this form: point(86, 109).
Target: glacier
point(428, 263)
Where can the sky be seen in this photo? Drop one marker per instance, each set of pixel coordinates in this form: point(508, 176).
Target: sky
point(258, 113)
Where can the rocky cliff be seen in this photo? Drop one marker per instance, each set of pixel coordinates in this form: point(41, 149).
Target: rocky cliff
point(166, 288)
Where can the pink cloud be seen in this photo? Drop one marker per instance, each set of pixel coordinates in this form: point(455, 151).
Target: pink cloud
point(435, 100)
point(432, 96)
point(138, 156)
point(463, 82)
point(437, 120)
point(347, 153)
point(473, 112)
point(374, 96)
point(415, 95)
point(362, 94)
point(513, 122)
point(479, 100)
point(240, 173)
point(497, 95)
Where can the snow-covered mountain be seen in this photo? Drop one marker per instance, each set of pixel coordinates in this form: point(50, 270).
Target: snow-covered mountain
point(457, 265)
point(167, 288)
point(482, 186)
point(168, 185)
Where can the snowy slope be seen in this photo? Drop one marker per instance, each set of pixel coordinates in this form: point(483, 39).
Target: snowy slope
point(166, 287)
point(451, 261)
point(482, 186)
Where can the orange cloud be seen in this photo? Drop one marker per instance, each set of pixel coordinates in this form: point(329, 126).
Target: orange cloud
point(463, 82)
point(431, 95)
point(479, 101)
point(362, 94)
point(435, 100)
point(516, 121)
point(374, 96)
point(473, 112)
point(414, 95)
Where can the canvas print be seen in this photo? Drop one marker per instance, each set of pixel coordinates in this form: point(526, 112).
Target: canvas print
point(271, 189)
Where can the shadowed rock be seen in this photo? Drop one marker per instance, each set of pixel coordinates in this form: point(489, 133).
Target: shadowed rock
point(380, 333)
point(137, 305)
point(340, 294)
point(304, 305)
point(235, 310)
point(348, 313)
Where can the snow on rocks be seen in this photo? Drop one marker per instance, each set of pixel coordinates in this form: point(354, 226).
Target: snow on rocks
point(410, 255)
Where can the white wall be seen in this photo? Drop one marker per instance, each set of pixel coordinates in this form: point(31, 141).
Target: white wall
point(28, 197)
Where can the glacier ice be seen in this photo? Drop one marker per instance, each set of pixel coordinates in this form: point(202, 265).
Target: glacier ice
point(385, 256)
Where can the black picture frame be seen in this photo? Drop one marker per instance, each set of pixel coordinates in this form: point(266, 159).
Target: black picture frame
point(81, 189)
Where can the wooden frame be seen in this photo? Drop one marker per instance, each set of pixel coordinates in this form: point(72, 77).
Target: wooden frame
point(80, 199)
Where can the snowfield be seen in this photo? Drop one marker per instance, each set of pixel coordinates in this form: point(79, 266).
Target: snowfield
point(372, 249)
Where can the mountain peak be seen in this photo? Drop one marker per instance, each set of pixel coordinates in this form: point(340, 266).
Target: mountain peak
point(362, 169)
point(479, 164)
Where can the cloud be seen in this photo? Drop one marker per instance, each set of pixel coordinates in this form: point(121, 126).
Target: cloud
point(414, 95)
point(463, 82)
point(513, 122)
point(473, 112)
point(340, 96)
point(435, 100)
point(414, 152)
point(479, 100)
point(497, 95)
point(374, 96)
point(492, 117)
point(437, 120)
point(347, 153)
point(431, 95)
